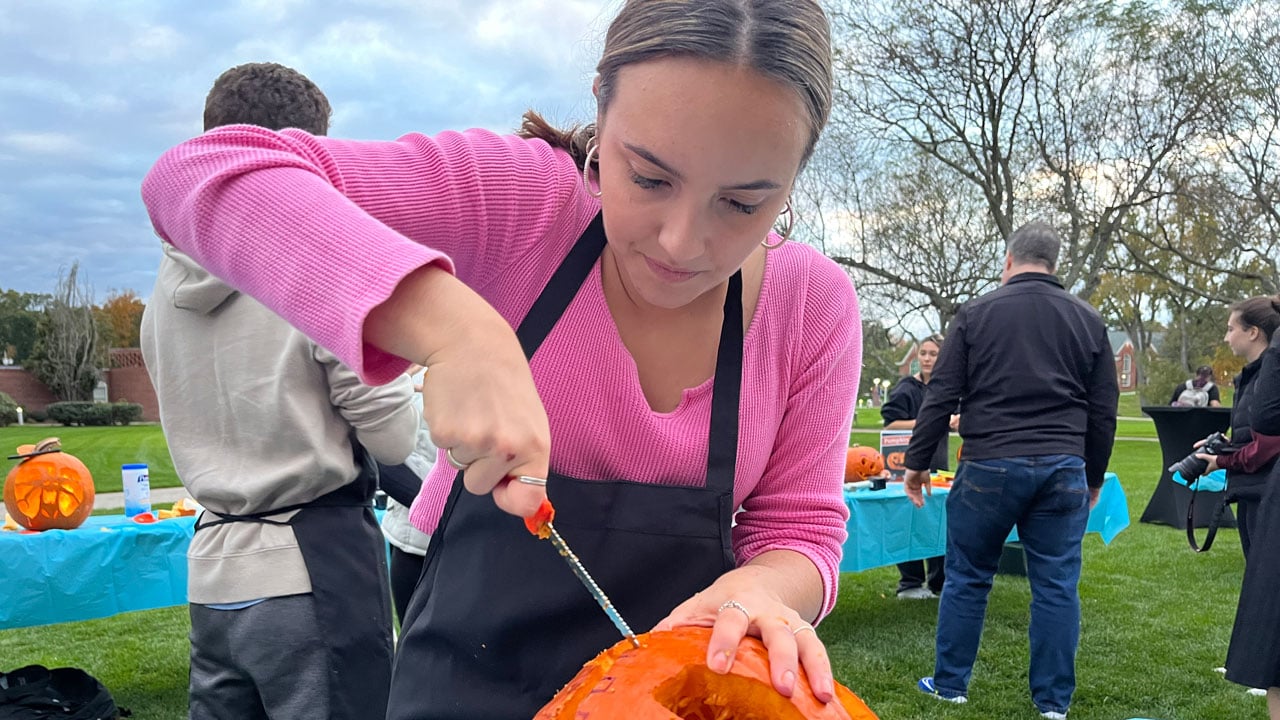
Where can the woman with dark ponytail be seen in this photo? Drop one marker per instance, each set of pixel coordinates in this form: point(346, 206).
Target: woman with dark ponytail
point(1250, 328)
point(1253, 660)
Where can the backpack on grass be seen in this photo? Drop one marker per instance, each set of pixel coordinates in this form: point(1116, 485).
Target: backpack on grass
point(35, 692)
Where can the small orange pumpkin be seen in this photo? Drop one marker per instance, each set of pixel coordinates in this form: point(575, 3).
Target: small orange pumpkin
point(667, 677)
point(861, 463)
point(48, 489)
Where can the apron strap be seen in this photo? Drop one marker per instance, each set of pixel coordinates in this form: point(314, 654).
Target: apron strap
point(551, 303)
point(722, 454)
point(357, 493)
point(561, 288)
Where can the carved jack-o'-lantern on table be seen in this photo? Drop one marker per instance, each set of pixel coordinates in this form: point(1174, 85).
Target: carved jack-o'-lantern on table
point(862, 462)
point(48, 488)
point(667, 678)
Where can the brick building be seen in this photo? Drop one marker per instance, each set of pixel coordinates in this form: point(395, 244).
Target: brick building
point(126, 380)
point(24, 388)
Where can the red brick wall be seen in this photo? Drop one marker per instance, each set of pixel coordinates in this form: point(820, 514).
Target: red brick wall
point(132, 384)
point(24, 388)
point(127, 381)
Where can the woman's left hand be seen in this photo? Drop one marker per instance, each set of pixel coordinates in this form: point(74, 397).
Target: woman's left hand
point(1211, 459)
point(739, 604)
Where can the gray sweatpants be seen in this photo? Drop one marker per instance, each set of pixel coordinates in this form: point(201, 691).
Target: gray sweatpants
point(264, 662)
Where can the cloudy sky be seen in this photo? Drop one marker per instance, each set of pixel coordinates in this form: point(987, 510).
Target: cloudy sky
point(92, 92)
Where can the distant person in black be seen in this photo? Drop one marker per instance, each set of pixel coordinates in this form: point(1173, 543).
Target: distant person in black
point(1253, 660)
point(1032, 366)
point(1199, 391)
point(899, 413)
point(1250, 327)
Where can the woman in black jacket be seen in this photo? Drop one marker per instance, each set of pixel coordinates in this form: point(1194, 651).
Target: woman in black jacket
point(1253, 659)
point(899, 413)
point(1250, 327)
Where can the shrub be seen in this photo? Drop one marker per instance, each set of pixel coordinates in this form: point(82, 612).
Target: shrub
point(91, 413)
point(38, 416)
point(80, 413)
point(123, 413)
point(8, 410)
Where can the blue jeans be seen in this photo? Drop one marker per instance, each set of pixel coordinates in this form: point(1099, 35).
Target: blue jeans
point(1047, 497)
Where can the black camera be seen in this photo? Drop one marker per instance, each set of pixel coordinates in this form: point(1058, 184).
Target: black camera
point(1192, 467)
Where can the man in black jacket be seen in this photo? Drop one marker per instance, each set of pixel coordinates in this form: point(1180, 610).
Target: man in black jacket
point(1033, 368)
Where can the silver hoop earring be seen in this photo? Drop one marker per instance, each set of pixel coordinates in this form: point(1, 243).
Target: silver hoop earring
point(592, 147)
point(786, 227)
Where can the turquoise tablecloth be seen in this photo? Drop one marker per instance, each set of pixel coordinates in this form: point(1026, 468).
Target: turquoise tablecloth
point(884, 528)
point(108, 565)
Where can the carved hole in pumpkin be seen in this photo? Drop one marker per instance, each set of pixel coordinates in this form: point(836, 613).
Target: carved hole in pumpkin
point(697, 693)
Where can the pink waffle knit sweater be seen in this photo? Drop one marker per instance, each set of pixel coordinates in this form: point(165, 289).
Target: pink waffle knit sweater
point(321, 230)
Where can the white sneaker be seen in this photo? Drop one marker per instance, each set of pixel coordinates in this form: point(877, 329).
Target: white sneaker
point(1257, 692)
point(1051, 715)
point(917, 593)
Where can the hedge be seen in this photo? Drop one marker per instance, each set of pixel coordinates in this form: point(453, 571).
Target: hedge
point(8, 410)
point(91, 413)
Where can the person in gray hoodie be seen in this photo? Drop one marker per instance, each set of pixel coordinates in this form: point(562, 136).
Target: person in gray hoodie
point(276, 439)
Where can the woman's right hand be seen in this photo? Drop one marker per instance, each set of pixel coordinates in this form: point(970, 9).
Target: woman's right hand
point(478, 396)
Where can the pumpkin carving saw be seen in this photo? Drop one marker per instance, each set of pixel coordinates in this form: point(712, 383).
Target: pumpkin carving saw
point(667, 678)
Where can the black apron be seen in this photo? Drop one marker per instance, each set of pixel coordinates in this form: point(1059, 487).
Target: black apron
point(498, 623)
point(346, 560)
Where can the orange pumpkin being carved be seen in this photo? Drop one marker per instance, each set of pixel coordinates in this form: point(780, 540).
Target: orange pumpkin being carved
point(667, 678)
point(48, 488)
point(861, 463)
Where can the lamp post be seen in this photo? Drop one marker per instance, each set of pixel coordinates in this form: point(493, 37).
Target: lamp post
point(20, 416)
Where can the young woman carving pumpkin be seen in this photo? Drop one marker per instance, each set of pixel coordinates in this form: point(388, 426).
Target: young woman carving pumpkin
point(606, 307)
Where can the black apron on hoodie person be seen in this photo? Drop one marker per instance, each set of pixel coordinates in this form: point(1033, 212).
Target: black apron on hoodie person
point(498, 622)
point(345, 555)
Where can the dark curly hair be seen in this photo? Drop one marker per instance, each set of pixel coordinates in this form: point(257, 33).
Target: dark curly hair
point(268, 95)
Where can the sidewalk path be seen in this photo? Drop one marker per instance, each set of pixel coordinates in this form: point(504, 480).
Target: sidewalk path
point(160, 497)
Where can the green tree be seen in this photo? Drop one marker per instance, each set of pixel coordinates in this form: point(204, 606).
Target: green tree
point(919, 244)
point(19, 313)
point(120, 319)
point(66, 352)
point(1065, 109)
point(880, 355)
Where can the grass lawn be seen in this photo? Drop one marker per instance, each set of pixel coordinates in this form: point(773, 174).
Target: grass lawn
point(1140, 427)
point(1156, 621)
point(103, 450)
point(140, 657)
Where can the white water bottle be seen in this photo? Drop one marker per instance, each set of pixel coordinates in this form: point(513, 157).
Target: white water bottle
point(137, 489)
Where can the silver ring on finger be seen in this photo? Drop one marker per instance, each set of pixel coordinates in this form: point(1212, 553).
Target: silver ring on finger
point(802, 628)
point(448, 455)
point(530, 480)
point(734, 604)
